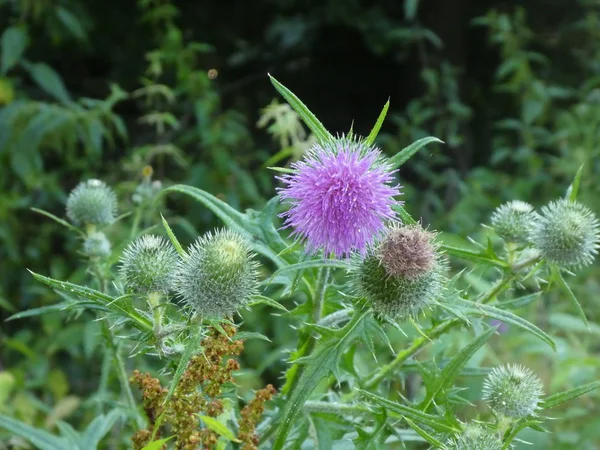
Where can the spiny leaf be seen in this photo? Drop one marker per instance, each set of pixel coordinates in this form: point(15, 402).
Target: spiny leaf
point(246, 335)
point(234, 219)
point(261, 299)
point(404, 155)
point(305, 114)
point(119, 305)
point(479, 257)
point(424, 434)
point(565, 287)
point(322, 361)
point(517, 428)
point(375, 131)
point(173, 238)
point(453, 368)
point(561, 397)
point(437, 423)
point(480, 309)
point(574, 188)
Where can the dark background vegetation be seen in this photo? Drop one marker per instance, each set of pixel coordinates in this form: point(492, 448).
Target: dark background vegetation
point(98, 88)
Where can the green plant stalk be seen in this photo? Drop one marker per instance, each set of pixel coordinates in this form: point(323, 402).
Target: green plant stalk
point(335, 408)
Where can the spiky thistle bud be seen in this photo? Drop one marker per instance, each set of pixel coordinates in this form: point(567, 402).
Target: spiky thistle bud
point(475, 437)
point(96, 245)
point(218, 276)
point(512, 391)
point(92, 202)
point(147, 265)
point(566, 233)
point(403, 275)
point(512, 221)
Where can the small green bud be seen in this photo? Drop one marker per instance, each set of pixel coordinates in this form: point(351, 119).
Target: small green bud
point(92, 202)
point(147, 264)
point(512, 221)
point(512, 391)
point(218, 276)
point(566, 233)
point(96, 245)
point(403, 275)
point(475, 437)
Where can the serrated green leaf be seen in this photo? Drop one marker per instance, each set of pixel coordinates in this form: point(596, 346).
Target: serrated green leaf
point(173, 238)
point(370, 140)
point(470, 255)
point(230, 217)
point(305, 114)
point(157, 445)
point(483, 310)
point(12, 46)
point(565, 287)
point(40, 438)
point(453, 368)
point(574, 188)
point(437, 423)
point(561, 397)
point(246, 335)
point(404, 155)
point(322, 361)
point(424, 434)
point(261, 299)
point(64, 223)
point(219, 428)
point(120, 305)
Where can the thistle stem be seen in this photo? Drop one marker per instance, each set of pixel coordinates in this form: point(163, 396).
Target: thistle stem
point(319, 299)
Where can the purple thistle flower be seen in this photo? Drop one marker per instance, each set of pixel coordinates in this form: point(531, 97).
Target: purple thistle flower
point(339, 197)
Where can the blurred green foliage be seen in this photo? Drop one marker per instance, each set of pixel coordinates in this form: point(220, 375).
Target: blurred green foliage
point(104, 89)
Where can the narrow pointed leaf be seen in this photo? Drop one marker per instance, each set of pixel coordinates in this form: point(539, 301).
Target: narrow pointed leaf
point(375, 131)
point(64, 223)
point(574, 188)
point(219, 428)
point(173, 238)
point(454, 367)
point(407, 153)
point(565, 287)
point(261, 299)
point(424, 434)
point(40, 438)
point(305, 114)
point(313, 264)
point(157, 445)
point(561, 397)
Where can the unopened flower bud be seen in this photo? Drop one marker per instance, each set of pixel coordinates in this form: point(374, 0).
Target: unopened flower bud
point(92, 202)
point(512, 221)
point(512, 391)
point(218, 276)
point(96, 245)
point(475, 437)
point(403, 275)
point(147, 265)
point(567, 234)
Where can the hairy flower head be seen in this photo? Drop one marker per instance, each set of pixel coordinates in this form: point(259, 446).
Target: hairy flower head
point(475, 437)
point(218, 276)
point(513, 391)
point(401, 288)
point(92, 202)
point(339, 196)
point(566, 233)
point(513, 220)
point(147, 265)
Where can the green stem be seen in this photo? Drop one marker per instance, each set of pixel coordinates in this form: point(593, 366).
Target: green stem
point(123, 379)
point(335, 408)
point(319, 299)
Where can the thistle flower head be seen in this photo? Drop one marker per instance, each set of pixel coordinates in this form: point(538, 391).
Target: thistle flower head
point(340, 197)
point(401, 288)
point(408, 251)
point(512, 221)
point(513, 391)
point(147, 265)
point(96, 245)
point(218, 276)
point(475, 437)
point(92, 202)
point(566, 233)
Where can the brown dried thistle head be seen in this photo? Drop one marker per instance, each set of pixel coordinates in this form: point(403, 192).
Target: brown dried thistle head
point(408, 252)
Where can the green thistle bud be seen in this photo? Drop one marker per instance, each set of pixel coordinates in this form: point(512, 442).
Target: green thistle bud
point(512, 391)
point(147, 264)
point(96, 245)
point(92, 202)
point(566, 233)
point(403, 275)
point(475, 437)
point(218, 276)
point(512, 221)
